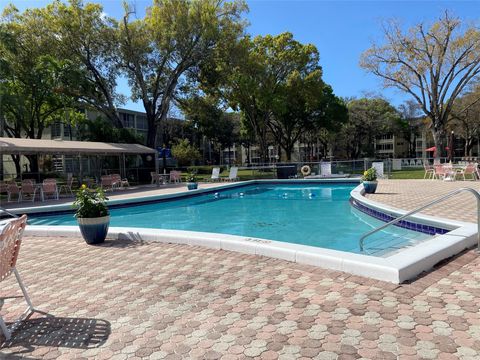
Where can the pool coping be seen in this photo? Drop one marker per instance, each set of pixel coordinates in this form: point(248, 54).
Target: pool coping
point(395, 268)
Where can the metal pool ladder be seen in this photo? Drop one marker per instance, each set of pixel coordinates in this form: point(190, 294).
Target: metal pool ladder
point(434, 202)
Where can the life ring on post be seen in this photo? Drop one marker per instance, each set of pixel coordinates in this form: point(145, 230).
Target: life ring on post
point(305, 170)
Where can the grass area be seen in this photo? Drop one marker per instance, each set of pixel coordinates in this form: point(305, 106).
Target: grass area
point(408, 174)
point(243, 174)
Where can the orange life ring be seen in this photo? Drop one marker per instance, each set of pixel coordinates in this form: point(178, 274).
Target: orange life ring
point(305, 170)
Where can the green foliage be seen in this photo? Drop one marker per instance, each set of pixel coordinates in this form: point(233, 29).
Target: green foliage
point(103, 131)
point(367, 118)
point(204, 169)
point(370, 175)
point(191, 177)
point(164, 51)
point(90, 203)
point(185, 153)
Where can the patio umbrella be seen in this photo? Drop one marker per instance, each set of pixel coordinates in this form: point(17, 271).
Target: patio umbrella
point(433, 148)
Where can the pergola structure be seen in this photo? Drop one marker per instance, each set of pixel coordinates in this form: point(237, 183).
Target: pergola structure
point(20, 146)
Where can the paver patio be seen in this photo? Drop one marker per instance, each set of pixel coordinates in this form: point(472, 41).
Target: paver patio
point(410, 194)
point(150, 300)
point(130, 299)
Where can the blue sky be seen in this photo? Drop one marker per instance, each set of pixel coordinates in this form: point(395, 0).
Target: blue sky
point(341, 30)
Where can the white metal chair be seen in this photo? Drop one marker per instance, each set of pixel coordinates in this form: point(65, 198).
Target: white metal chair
point(429, 170)
point(10, 241)
point(68, 186)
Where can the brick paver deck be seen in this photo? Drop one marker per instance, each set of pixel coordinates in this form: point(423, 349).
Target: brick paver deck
point(135, 300)
point(410, 194)
point(159, 301)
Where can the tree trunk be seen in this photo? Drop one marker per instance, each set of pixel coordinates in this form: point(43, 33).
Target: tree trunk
point(440, 142)
point(33, 159)
point(151, 131)
point(16, 161)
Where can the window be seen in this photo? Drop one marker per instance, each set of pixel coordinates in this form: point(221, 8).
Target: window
point(142, 122)
point(56, 130)
point(128, 120)
point(382, 147)
point(386, 137)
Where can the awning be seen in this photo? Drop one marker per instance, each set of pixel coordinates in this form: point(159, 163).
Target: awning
point(33, 146)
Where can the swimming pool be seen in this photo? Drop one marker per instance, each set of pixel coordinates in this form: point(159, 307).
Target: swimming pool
point(313, 214)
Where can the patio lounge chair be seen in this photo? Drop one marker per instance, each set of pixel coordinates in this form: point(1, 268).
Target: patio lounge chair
point(215, 174)
point(13, 189)
point(379, 167)
point(49, 187)
point(29, 189)
point(326, 169)
point(233, 175)
point(10, 241)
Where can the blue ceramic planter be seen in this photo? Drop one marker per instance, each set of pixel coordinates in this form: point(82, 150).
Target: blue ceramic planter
point(192, 185)
point(370, 186)
point(94, 230)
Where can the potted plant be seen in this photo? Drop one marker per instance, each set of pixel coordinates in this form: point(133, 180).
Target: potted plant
point(92, 214)
point(192, 183)
point(369, 180)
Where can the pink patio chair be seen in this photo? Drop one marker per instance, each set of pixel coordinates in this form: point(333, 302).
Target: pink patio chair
point(470, 169)
point(439, 171)
point(29, 189)
point(49, 188)
point(118, 182)
point(175, 176)
point(10, 241)
point(156, 178)
point(13, 189)
point(3, 187)
point(106, 182)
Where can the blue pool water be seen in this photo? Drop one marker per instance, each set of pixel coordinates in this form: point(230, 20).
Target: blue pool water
point(310, 214)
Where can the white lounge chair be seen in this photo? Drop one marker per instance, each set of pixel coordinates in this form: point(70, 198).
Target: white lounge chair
point(215, 174)
point(233, 175)
point(326, 169)
point(379, 167)
point(10, 241)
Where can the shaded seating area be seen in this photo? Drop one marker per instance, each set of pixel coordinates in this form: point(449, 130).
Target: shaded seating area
point(20, 186)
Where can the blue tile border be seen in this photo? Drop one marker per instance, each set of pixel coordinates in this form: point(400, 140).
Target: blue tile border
point(426, 229)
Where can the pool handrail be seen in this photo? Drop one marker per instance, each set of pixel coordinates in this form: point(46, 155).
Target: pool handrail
point(423, 207)
point(5, 211)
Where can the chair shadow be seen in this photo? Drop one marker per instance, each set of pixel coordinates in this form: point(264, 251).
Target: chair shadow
point(78, 333)
point(125, 240)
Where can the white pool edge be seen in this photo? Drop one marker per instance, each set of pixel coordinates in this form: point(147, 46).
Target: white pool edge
point(397, 268)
